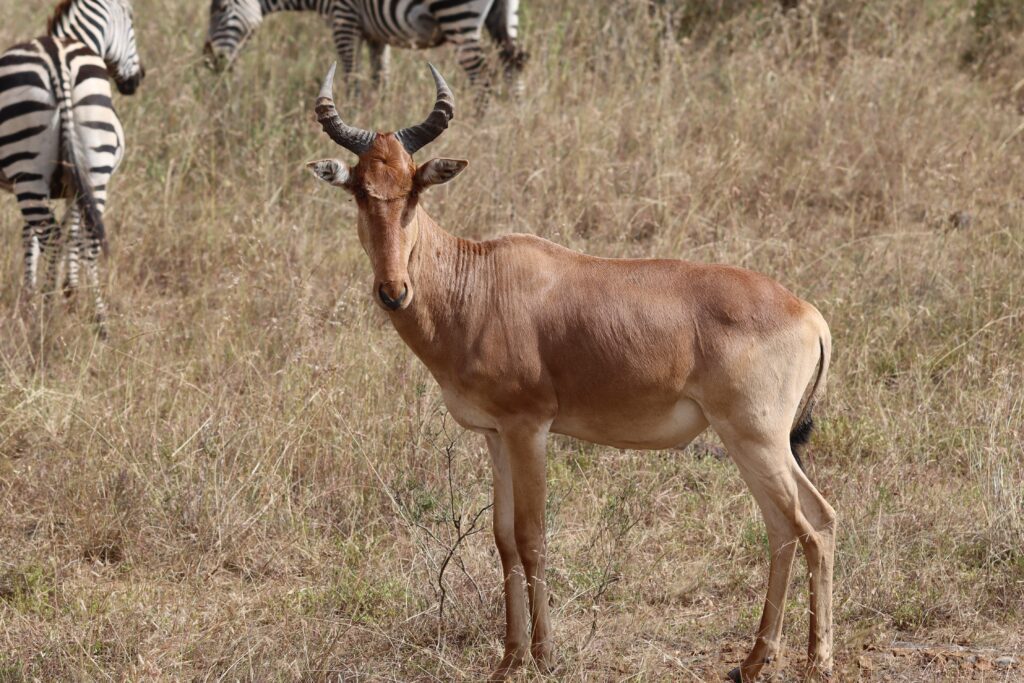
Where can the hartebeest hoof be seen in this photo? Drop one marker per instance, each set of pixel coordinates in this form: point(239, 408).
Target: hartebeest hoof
point(817, 674)
point(737, 675)
point(544, 658)
point(510, 663)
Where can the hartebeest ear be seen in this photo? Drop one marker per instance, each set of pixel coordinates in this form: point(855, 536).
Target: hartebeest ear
point(439, 171)
point(333, 171)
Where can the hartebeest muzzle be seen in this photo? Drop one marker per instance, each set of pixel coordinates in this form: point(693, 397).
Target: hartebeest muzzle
point(392, 294)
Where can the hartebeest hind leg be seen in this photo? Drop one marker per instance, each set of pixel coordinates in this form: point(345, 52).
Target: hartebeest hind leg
point(818, 537)
point(794, 512)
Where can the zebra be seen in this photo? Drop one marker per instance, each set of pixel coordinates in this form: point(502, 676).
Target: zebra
point(60, 136)
point(413, 24)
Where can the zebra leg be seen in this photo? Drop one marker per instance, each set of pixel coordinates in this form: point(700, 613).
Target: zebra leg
point(502, 24)
point(50, 246)
point(90, 255)
point(90, 244)
point(470, 56)
point(380, 63)
point(513, 59)
point(347, 38)
point(41, 234)
point(48, 235)
point(30, 244)
point(72, 222)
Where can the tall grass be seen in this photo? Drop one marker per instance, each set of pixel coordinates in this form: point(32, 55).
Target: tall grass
point(248, 481)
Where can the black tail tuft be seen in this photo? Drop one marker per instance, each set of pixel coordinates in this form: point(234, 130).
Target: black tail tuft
point(92, 219)
point(800, 436)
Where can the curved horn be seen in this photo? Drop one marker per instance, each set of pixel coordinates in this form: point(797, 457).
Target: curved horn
point(415, 137)
point(355, 140)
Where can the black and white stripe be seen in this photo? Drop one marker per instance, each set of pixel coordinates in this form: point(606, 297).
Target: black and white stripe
point(380, 23)
point(60, 137)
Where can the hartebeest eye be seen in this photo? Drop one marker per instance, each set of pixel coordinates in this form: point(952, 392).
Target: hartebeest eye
point(332, 171)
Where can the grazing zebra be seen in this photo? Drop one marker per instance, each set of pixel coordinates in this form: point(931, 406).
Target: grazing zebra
point(60, 136)
point(403, 23)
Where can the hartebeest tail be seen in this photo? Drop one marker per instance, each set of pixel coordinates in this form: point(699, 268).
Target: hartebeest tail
point(526, 338)
point(801, 434)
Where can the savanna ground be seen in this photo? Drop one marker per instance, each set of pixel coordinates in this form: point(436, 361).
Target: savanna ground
point(250, 479)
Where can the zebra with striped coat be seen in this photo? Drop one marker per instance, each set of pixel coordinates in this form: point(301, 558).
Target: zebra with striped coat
point(60, 137)
point(413, 24)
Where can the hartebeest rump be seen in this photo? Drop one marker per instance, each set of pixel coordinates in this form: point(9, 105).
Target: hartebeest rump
point(526, 337)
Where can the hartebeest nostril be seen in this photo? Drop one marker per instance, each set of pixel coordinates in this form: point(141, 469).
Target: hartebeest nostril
point(388, 301)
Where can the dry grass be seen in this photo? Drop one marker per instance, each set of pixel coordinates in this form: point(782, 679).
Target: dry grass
point(248, 481)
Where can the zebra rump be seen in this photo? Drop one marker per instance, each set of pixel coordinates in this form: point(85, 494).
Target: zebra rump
point(70, 179)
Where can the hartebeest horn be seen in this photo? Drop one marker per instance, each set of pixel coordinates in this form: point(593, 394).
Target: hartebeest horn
point(415, 137)
point(355, 140)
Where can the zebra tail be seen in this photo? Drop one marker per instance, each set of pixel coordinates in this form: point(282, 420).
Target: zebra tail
point(73, 156)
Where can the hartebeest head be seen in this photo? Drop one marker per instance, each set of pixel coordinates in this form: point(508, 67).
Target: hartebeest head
point(386, 184)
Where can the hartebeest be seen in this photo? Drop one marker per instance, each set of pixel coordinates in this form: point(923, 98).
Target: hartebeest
point(526, 337)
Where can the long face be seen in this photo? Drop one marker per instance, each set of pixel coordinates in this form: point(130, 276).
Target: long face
point(386, 184)
point(232, 23)
point(122, 55)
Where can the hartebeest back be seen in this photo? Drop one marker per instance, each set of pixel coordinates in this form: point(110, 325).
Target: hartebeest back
point(526, 337)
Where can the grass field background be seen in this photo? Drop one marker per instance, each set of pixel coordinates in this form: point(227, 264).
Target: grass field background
point(250, 478)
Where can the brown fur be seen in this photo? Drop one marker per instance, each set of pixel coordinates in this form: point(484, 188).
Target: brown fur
point(385, 171)
point(526, 337)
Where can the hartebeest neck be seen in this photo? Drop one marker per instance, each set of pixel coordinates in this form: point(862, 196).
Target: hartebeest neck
point(453, 281)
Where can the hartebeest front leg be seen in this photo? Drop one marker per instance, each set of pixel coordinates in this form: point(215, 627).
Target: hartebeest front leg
point(525, 447)
point(516, 633)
